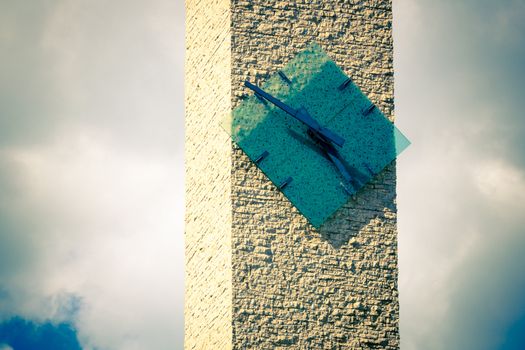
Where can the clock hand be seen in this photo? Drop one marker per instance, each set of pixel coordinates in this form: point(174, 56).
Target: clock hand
point(332, 154)
point(339, 165)
point(323, 137)
point(300, 114)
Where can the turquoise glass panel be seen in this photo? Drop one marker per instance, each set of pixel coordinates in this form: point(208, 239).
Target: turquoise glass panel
point(316, 190)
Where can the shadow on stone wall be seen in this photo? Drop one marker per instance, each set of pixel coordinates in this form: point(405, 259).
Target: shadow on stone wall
point(374, 201)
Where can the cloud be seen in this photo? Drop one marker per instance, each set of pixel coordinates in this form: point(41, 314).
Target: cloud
point(91, 130)
point(28, 99)
point(462, 185)
point(100, 224)
point(91, 196)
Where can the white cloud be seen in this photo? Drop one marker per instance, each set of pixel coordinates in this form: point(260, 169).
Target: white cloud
point(109, 231)
point(461, 185)
point(501, 183)
point(91, 195)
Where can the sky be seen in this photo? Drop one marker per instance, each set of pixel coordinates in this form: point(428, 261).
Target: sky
point(92, 173)
point(91, 170)
point(459, 73)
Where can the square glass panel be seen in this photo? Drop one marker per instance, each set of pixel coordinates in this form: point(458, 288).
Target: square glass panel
point(281, 147)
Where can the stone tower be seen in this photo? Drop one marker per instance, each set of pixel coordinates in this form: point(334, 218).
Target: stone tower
point(258, 275)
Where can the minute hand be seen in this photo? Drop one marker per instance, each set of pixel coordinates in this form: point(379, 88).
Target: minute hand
point(300, 114)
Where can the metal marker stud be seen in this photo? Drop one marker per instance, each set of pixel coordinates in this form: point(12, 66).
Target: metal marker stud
point(367, 166)
point(369, 109)
point(261, 157)
point(344, 84)
point(285, 183)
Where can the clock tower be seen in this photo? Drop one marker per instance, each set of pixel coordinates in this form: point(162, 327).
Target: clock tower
point(266, 269)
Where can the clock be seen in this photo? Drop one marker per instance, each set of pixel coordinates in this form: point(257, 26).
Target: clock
point(314, 134)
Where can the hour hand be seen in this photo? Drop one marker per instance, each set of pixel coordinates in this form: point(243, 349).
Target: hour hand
point(300, 114)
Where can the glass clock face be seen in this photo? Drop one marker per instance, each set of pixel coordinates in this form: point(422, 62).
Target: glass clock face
point(314, 134)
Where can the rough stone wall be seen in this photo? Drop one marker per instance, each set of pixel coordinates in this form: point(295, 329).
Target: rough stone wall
point(257, 274)
point(295, 286)
point(208, 280)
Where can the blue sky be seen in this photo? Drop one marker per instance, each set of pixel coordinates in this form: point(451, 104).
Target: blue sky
point(91, 172)
point(17, 333)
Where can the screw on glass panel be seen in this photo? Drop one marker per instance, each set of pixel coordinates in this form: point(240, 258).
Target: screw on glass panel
point(344, 84)
point(284, 77)
point(261, 157)
point(346, 189)
point(285, 183)
point(260, 98)
point(367, 166)
point(369, 109)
